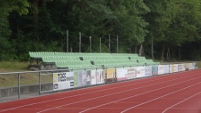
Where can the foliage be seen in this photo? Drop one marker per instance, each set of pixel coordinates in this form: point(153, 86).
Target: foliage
point(40, 25)
point(172, 24)
point(7, 6)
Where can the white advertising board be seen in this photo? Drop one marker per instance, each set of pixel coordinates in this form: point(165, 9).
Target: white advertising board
point(148, 71)
point(166, 69)
point(93, 77)
point(121, 74)
point(171, 68)
point(191, 66)
point(181, 67)
point(175, 68)
point(63, 80)
point(131, 73)
point(160, 69)
point(100, 76)
point(140, 71)
point(82, 78)
point(97, 77)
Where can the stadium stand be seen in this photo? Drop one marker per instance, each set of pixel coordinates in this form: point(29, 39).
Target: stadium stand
point(71, 61)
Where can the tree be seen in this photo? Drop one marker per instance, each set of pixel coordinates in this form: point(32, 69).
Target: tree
point(186, 23)
point(7, 6)
point(129, 24)
point(160, 17)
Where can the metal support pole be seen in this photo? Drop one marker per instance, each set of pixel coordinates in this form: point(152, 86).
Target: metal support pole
point(105, 75)
point(67, 40)
point(19, 90)
point(90, 44)
point(80, 40)
point(96, 76)
point(109, 43)
point(100, 44)
point(117, 43)
point(39, 83)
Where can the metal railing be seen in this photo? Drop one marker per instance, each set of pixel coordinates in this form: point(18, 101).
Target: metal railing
point(19, 74)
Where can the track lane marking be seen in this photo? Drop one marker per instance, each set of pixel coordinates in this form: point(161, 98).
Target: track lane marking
point(79, 94)
point(159, 97)
point(180, 102)
point(118, 93)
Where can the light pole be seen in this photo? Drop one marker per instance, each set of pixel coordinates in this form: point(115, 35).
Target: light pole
point(117, 43)
point(67, 40)
point(90, 44)
point(100, 44)
point(80, 39)
point(109, 43)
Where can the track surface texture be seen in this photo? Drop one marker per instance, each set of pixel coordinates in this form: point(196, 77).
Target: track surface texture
point(173, 93)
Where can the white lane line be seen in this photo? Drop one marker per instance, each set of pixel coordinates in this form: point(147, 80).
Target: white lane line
point(81, 94)
point(114, 94)
point(181, 102)
point(132, 96)
point(85, 94)
point(159, 97)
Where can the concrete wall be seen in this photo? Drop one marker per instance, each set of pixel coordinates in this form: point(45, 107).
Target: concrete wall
point(11, 91)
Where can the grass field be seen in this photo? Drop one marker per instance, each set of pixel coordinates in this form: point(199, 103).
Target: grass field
point(26, 79)
point(13, 66)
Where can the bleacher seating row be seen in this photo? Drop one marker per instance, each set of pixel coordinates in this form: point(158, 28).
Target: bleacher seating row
point(91, 60)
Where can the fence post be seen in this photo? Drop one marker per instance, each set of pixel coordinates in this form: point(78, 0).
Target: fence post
point(115, 75)
point(39, 83)
point(96, 75)
point(67, 40)
point(109, 43)
point(19, 90)
point(105, 75)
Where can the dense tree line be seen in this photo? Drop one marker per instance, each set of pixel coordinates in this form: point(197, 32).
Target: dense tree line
point(167, 29)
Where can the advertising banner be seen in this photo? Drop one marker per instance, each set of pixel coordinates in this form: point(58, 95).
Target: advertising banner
point(175, 68)
point(121, 74)
point(110, 73)
point(100, 76)
point(160, 69)
point(63, 80)
point(155, 70)
point(181, 67)
point(140, 71)
point(187, 66)
point(131, 73)
point(148, 71)
point(166, 69)
point(171, 68)
point(93, 77)
point(194, 65)
point(82, 78)
point(97, 77)
point(191, 66)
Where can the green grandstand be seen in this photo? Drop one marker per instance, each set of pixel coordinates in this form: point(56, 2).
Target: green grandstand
point(71, 61)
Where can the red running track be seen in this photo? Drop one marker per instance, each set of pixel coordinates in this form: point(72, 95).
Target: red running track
point(175, 93)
